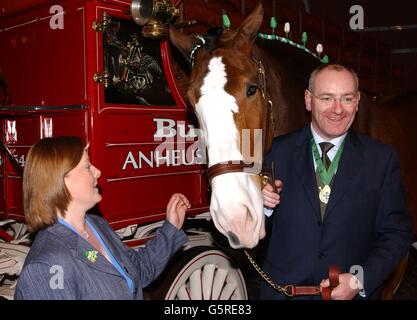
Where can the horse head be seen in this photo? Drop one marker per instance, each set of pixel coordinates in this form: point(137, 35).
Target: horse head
point(227, 85)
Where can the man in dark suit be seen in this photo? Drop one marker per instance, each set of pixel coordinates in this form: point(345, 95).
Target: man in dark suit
point(342, 201)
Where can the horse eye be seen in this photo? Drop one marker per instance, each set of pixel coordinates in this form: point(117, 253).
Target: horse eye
point(251, 90)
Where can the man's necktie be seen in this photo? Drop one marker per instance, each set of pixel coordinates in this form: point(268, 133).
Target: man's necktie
point(325, 148)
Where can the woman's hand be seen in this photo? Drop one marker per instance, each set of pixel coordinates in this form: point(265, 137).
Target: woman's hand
point(271, 198)
point(176, 208)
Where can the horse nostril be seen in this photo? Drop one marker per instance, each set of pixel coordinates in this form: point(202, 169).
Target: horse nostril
point(233, 238)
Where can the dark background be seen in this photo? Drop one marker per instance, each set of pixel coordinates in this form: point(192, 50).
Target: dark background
point(384, 53)
point(391, 22)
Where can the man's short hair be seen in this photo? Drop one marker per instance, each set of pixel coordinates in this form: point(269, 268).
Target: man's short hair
point(44, 190)
point(332, 66)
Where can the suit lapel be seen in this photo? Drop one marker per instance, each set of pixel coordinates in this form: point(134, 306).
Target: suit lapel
point(103, 261)
point(111, 245)
point(100, 263)
point(80, 248)
point(348, 170)
point(303, 160)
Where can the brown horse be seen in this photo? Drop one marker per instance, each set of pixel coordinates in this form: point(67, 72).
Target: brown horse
point(227, 92)
point(391, 119)
point(388, 119)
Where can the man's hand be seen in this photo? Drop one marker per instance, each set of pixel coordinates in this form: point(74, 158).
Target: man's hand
point(271, 199)
point(349, 286)
point(176, 208)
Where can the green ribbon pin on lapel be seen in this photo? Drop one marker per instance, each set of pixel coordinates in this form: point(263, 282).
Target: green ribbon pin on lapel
point(91, 255)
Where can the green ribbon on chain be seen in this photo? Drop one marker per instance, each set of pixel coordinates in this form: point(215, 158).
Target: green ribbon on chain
point(326, 176)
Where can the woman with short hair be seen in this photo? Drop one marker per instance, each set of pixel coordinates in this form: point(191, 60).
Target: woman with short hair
point(76, 255)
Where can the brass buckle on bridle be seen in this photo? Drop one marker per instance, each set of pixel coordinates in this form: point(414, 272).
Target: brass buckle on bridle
point(265, 178)
point(268, 176)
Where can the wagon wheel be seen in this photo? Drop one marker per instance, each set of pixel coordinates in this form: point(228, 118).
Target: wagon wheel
point(204, 273)
point(5, 236)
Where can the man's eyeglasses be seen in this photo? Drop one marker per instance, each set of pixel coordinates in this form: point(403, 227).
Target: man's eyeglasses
point(346, 100)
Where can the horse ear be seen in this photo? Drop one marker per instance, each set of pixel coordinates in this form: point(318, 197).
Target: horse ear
point(249, 28)
point(183, 42)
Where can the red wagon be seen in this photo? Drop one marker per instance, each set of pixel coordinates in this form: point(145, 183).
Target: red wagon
point(82, 67)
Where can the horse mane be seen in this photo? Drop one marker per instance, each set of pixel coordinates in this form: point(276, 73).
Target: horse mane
point(212, 38)
point(287, 72)
point(290, 55)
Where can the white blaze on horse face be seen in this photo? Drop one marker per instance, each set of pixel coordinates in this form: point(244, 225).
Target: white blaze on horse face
point(236, 201)
point(215, 109)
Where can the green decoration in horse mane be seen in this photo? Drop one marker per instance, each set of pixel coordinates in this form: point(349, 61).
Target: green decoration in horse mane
point(292, 43)
point(226, 21)
point(273, 23)
point(304, 38)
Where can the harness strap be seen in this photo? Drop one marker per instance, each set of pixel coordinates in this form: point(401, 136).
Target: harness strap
point(334, 272)
point(267, 174)
point(326, 293)
point(228, 167)
point(200, 41)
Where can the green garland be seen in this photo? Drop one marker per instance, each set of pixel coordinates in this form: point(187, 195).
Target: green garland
point(325, 58)
point(273, 24)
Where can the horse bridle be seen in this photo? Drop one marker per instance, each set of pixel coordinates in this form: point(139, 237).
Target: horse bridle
point(232, 166)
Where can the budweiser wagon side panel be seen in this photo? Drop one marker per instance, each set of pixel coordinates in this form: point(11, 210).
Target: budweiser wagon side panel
point(83, 68)
point(140, 132)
